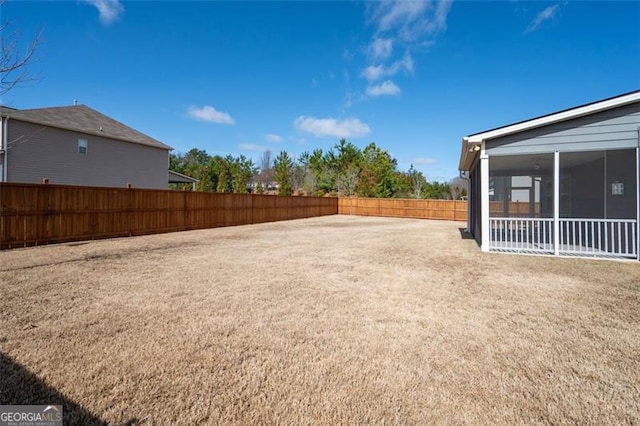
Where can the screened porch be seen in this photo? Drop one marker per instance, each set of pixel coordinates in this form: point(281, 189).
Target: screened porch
point(565, 203)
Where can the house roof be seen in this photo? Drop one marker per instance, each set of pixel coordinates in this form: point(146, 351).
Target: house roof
point(175, 177)
point(81, 118)
point(468, 152)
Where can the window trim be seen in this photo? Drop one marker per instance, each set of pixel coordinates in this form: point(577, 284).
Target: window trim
point(83, 146)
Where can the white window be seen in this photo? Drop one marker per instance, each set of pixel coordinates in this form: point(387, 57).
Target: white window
point(82, 146)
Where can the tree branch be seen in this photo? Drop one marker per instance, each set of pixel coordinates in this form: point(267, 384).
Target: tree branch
point(13, 62)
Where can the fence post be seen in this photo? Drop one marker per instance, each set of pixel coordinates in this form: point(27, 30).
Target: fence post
point(130, 213)
point(186, 220)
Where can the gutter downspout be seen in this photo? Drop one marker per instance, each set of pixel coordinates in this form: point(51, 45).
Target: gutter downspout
point(4, 147)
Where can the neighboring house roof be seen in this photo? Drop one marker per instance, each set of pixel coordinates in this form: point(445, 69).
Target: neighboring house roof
point(81, 118)
point(469, 143)
point(175, 177)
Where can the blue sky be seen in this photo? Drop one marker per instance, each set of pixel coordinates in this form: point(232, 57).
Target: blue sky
point(413, 76)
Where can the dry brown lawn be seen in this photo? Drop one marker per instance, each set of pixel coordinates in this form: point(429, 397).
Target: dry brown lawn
point(334, 320)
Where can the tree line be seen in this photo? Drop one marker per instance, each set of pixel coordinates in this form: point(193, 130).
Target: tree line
point(344, 170)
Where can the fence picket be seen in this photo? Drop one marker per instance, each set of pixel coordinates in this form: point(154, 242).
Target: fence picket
point(409, 208)
point(34, 214)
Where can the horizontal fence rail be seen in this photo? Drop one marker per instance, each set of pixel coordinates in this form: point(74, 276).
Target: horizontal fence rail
point(601, 237)
point(407, 208)
point(532, 235)
point(32, 214)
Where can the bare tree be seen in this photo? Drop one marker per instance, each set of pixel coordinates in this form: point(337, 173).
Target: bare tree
point(416, 181)
point(458, 188)
point(298, 177)
point(310, 184)
point(347, 181)
point(266, 169)
point(14, 61)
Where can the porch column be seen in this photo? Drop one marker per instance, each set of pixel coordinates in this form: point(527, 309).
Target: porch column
point(638, 197)
point(484, 201)
point(556, 203)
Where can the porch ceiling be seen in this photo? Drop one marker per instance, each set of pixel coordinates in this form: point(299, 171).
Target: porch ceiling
point(527, 163)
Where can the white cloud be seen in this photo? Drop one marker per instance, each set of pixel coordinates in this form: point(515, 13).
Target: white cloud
point(376, 72)
point(353, 97)
point(548, 13)
point(252, 147)
point(390, 13)
point(109, 10)
point(405, 63)
point(410, 20)
point(380, 49)
point(424, 161)
point(387, 88)
point(273, 138)
point(321, 127)
point(406, 24)
point(439, 22)
point(210, 114)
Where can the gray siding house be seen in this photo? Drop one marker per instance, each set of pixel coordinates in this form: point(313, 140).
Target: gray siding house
point(76, 145)
point(566, 183)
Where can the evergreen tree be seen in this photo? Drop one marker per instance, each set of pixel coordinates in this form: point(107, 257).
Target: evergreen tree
point(283, 170)
point(377, 178)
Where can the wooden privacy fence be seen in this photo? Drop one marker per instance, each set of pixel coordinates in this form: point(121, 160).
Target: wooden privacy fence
point(414, 208)
point(32, 214)
point(513, 209)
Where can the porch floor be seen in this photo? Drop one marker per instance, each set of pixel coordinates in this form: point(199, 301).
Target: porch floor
point(567, 250)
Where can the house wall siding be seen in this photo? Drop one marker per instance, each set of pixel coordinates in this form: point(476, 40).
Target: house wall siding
point(36, 152)
point(621, 167)
point(587, 189)
point(613, 129)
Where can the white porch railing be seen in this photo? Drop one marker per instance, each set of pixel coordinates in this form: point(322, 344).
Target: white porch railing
point(599, 237)
point(582, 237)
point(531, 235)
